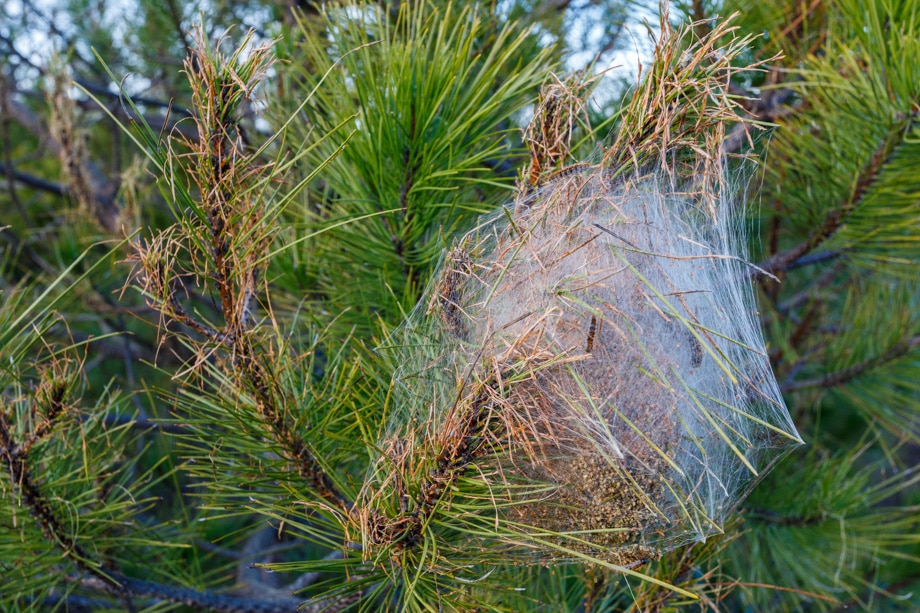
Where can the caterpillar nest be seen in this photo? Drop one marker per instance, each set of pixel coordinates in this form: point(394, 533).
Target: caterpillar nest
point(591, 353)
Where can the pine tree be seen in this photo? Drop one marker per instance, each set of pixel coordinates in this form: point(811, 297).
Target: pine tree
point(278, 381)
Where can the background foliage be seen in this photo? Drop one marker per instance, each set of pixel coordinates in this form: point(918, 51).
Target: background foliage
point(189, 392)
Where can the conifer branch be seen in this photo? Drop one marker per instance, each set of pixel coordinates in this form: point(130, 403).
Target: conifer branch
point(233, 239)
point(846, 375)
point(13, 174)
point(14, 458)
point(464, 451)
point(296, 448)
point(835, 218)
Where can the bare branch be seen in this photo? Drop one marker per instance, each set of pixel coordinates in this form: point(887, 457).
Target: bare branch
point(198, 599)
point(32, 181)
point(101, 90)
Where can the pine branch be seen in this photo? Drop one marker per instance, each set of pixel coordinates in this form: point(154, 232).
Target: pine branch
point(468, 442)
point(227, 239)
point(14, 458)
point(101, 577)
point(222, 168)
point(841, 377)
point(836, 217)
point(410, 168)
point(296, 448)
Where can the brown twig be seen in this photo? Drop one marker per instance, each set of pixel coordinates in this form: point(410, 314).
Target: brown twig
point(237, 239)
point(560, 107)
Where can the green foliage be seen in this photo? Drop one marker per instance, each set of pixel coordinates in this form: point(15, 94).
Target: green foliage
point(70, 477)
point(426, 101)
point(826, 533)
point(858, 133)
point(838, 225)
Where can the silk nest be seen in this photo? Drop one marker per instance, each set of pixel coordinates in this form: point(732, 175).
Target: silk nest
point(612, 325)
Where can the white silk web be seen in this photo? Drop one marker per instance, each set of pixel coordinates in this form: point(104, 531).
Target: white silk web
point(613, 323)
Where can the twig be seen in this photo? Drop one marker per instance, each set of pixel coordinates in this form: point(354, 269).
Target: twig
point(141, 423)
point(100, 90)
point(223, 552)
point(307, 579)
point(814, 258)
point(792, 28)
point(770, 106)
point(469, 441)
point(256, 548)
point(823, 280)
point(223, 170)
